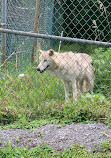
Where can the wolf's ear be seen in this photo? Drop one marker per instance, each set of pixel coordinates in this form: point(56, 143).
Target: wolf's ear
point(41, 51)
point(51, 52)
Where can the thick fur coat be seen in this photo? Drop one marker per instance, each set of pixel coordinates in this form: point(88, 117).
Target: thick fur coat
point(70, 67)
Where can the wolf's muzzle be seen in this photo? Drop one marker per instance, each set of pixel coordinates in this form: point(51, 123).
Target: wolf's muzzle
point(38, 69)
point(41, 71)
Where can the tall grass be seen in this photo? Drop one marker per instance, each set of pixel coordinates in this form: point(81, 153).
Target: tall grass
point(37, 99)
point(41, 96)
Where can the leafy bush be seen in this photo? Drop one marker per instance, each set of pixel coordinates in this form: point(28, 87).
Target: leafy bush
point(39, 96)
point(102, 64)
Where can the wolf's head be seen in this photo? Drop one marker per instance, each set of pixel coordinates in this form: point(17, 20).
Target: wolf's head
point(46, 61)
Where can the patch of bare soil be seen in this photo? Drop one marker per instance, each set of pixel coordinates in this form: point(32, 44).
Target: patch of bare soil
point(58, 137)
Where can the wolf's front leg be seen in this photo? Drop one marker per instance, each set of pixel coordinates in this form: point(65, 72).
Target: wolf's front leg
point(66, 86)
point(74, 89)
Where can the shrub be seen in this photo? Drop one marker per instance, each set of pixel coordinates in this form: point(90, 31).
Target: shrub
point(102, 64)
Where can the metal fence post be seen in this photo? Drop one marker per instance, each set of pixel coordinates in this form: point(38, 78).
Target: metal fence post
point(35, 30)
point(60, 42)
point(3, 42)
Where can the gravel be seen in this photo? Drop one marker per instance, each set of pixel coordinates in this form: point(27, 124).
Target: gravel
point(57, 136)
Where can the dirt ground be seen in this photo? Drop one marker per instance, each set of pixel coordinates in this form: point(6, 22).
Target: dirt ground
point(57, 137)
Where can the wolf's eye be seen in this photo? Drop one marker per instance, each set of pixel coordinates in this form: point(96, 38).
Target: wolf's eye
point(45, 60)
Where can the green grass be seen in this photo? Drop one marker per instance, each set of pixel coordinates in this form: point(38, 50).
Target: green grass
point(38, 99)
point(35, 97)
point(39, 96)
point(44, 151)
point(77, 47)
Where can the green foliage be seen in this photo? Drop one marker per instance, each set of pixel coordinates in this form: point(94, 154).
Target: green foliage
point(103, 148)
point(87, 109)
point(76, 151)
point(102, 63)
point(9, 152)
point(38, 99)
point(77, 47)
point(39, 96)
point(80, 19)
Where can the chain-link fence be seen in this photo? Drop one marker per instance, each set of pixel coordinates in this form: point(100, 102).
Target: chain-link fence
point(0, 20)
point(79, 19)
point(21, 84)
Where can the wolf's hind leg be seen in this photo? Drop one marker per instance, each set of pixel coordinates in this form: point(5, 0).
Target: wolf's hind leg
point(74, 89)
point(91, 82)
point(66, 86)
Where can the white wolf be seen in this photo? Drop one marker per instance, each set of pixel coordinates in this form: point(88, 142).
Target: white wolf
point(70, 67)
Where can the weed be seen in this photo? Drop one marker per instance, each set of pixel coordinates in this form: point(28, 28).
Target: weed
point(77, 151)
point(18, 139)
point(40, 134)
point(36, 99)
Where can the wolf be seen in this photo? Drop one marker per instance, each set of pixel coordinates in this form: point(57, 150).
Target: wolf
point(70, 67)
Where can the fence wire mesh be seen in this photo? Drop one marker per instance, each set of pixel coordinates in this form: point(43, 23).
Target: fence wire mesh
point(0, 21)
point(26, 92)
